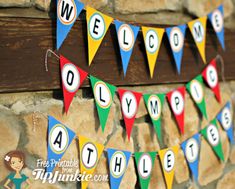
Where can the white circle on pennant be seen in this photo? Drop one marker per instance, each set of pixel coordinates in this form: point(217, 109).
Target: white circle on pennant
point(70, 77)
point(118, 171)
point(198, 32)
point(177, 102)
point(154, 107)
point(211, 75)
point(169, 160)
point(66, 11)
point(152, 41)
point(96, 26)
point(58, 139)
point(226, 118)
point(102, 94)
point(213, 135)
point(176, 39)
point(89, 155)
point(217, 20)
point(129, 104)
point(125, 37)
point(191, 150)
point(145, 166)
point(196, 91)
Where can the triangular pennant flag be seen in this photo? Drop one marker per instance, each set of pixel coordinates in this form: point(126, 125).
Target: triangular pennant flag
point(97, 26)
point(191, 148)
point(176, 37)
point(210, 75)
point(90, 153)
point(154, 104)
point(217, 20)
point(152, 40)
point(211, 134)
point(144, 164)
point(198, 30)
point(176, 99)
point(59, 139)
point(226, 121)
point(118, 162)
point(168, 161)
point(126, 35)
point(72, 78)
point(103, 93)
point(67, 13)
point(196, 90)
point(129, 102)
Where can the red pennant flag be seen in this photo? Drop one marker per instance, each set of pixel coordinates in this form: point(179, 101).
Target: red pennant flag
point(72, 78)
point(129, 102)
point(210, 75)
point(177, 102)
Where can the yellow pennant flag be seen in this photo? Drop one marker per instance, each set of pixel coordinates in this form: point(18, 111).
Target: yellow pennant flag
point(97, 26)
point(168, 161)
point(89, 156)
point(152, 40)
point(198, 30)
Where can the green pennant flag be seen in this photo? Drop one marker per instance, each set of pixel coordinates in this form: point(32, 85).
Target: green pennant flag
point(103, 93)
point(144, 163)
point(211, 134)
point(154, 104)
point(196, 90)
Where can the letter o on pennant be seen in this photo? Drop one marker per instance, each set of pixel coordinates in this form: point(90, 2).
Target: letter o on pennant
point(70, 77)
point(66, 11)
point(102, 95)
point(191, 150)
point(129, 104)
point(89, 155)
point(213, 135)
point(211, 75)
point(176, 39)
point(217, 20)
point(169, 161)
point(152, 41)
point(226, 118)
point(177, 102)
point(96, 26)
point(196, 91)
point(118, 164)
point(126, 37)
point(145, 166)
point(58, 139)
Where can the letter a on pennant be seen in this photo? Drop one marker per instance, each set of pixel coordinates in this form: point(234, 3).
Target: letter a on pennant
point(211, 134)
point(168, 161)
point(103, 93)
point(177, 102)
point(97, 26)
point(210, 75)
point(118, 162)
point(126, 34)
point(90, 153)
point(129, 103)
point(59, 139)
point(67, 13)
point(72, 78)
point(152, 40)
point(198, 30)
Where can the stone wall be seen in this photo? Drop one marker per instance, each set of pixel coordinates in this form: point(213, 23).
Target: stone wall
point(23, 127)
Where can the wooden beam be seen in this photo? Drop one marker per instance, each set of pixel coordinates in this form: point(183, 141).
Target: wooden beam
point(24, 41)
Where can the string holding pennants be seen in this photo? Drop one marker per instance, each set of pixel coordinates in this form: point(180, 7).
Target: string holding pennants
point(98, 24)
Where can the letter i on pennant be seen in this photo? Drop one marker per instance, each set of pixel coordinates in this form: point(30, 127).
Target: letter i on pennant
point(97, 26)
point(198, 30)
point(59, 139)
point(67, 13)
point(168, 161)
point(129, 102)
point(90, 153)
point(103, 93)
point(176, 100)
point(211, 134)
point(118, 163)
point(152, 41)
point(72, 78)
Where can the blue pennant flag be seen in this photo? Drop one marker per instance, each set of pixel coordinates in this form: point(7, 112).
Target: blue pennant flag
point(118, 162)
point(126, 35)
point(226, 121)
point(59, 139)
point(176, 37)
point(217, 20)
point(67, 13)
point(191, 148)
